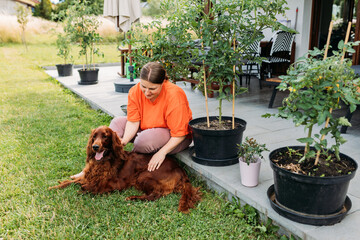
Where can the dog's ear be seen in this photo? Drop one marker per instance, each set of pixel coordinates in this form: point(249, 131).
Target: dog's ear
point(89, 145)
point(118, 148)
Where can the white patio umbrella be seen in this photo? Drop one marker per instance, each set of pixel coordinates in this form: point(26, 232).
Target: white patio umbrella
point(122, 12)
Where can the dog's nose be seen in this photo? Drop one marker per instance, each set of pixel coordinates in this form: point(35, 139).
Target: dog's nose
point(95, 147)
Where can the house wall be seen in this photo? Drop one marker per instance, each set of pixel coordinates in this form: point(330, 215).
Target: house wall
point(302, 24)
point(8, 7)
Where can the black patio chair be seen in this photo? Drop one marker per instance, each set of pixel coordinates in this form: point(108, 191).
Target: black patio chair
point(248, 63)
point(282, 44)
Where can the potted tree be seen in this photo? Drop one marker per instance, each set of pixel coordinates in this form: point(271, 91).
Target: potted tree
point(311, 181)
point(63, 44)
point(169, 44)
point(250, 155)
point(226, 29)
point(82, 27)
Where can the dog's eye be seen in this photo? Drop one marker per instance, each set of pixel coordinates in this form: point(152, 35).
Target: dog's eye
point(105, 137)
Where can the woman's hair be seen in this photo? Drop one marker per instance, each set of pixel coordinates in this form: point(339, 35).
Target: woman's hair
point(153, 72)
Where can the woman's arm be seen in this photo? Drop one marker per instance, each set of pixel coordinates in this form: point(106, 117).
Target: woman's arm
point(159, 157)
point(131, 129)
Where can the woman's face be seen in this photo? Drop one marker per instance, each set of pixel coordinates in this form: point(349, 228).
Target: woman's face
point(150, 90)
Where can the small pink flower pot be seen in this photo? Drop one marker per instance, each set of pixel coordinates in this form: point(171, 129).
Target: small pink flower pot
point(249, 174)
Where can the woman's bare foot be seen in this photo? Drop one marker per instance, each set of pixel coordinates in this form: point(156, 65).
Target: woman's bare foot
point(80, 174)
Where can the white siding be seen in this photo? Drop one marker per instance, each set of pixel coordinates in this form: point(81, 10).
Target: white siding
point(8, 7)
point(302, 25)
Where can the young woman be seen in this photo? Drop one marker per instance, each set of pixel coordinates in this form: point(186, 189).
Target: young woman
point(157, 119)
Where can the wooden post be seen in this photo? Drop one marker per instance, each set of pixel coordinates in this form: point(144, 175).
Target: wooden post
point(328, 40)
point(205, 87)
point(328, 119)
point(233, 93)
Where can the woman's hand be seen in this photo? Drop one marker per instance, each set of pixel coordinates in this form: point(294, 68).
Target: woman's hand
point(158, 158)
point(123, 142)
point(131, 128)
point(156, 161)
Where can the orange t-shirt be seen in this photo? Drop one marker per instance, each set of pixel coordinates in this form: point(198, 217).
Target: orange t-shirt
point(169, 110)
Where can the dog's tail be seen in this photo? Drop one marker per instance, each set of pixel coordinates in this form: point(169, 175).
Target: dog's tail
point(190, 196)
point(65, 183)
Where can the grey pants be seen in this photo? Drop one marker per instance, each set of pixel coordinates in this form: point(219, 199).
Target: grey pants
point(149, 140)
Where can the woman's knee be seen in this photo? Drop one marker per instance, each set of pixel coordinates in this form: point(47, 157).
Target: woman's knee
point(118, 125)
point(151, 140)
point(182, 146)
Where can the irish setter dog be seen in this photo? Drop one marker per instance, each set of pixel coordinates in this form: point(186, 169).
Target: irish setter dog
point(109, 167)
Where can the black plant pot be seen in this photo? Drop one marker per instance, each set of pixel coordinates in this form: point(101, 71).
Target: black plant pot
point(308, 199)
point(216, 147)
point(88, 76)
point(64, 70)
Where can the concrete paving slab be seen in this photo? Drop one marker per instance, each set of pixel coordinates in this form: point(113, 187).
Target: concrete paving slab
point(337, 231)
point(274, 132)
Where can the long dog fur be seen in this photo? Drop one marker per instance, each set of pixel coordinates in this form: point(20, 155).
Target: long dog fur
point(119, 170)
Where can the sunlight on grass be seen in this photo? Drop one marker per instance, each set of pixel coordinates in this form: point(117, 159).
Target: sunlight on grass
point(39, 30)
point(39, 54)
point(44, 132)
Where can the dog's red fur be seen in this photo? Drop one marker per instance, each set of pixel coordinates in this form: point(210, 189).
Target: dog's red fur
point(118, 170)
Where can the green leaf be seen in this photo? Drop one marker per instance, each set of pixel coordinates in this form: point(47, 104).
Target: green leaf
point(325, 131)
point(322, 118)
point(351, 50)
point(342, 140)
point(306, 140)
point(341, 44)
point(343, 121)
point(266, 115)
point(262, 228)
point(352, 107)
point(350, 99)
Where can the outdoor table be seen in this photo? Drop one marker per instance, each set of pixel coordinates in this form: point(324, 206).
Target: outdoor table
point(273, 82)
point(123, 53)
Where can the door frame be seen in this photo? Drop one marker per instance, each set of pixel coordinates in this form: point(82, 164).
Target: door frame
point(315, 24)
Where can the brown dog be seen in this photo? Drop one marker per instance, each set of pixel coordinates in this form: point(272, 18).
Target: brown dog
point(108, 168)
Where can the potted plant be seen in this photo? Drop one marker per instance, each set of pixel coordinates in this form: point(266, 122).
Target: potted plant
point(226, 29)
point(311, 181)
point(82, 27)
point(168, 44)
point(250, 155)
point(63, 44)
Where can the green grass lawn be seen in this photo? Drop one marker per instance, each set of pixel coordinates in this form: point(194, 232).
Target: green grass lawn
point(44, 130)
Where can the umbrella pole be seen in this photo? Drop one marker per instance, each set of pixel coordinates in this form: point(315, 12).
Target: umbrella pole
point(131, 67)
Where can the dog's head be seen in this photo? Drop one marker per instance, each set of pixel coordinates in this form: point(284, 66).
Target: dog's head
point(103, 142)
